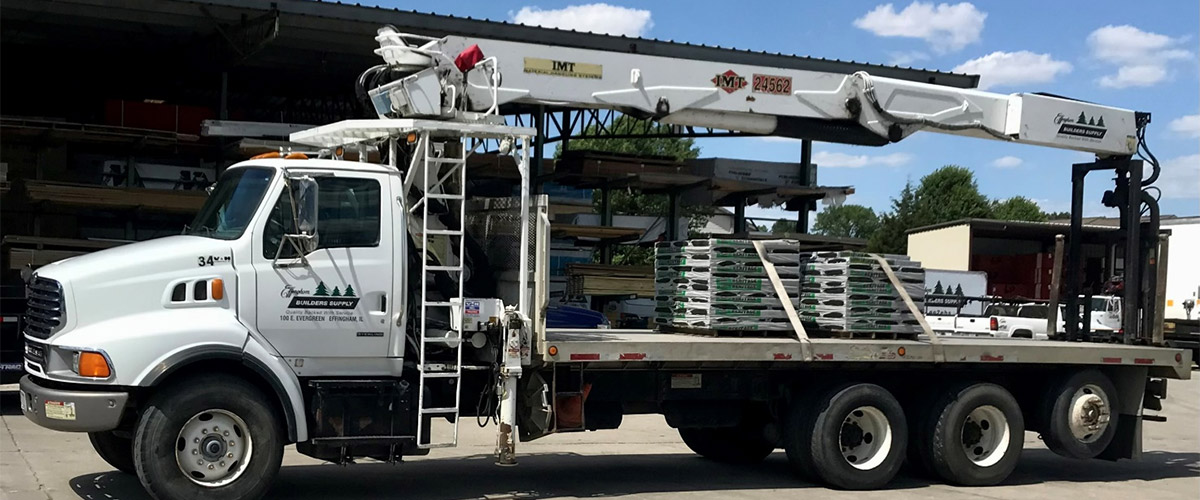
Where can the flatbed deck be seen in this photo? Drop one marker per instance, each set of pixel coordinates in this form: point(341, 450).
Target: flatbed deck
point(637, 348)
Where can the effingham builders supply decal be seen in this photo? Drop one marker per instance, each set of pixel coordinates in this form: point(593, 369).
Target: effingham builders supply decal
point(321, 305)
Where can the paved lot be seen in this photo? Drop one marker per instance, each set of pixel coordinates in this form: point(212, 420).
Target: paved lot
point(644, 459)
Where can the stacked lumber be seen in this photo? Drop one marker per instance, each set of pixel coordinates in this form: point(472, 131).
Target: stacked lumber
point(609, 280)
point(86, 195)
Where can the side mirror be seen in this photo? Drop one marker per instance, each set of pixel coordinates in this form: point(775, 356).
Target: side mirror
point(208, 190)
point(304, 193)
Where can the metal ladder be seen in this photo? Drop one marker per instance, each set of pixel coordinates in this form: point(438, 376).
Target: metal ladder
point(440, 371)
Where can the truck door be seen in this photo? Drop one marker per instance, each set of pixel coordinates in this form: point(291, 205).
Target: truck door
point(333, 302)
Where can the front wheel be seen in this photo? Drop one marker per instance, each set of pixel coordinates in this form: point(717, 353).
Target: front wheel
point(114, 449)
point(209, 437)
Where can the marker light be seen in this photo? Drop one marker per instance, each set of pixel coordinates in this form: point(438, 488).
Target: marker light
point(93, 364)
point(296, 156)
point(412, 137)
point(553, 351)
point(218, 289)
point(266, 156)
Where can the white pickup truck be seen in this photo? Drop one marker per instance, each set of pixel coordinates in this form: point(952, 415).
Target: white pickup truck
point(1024, 321)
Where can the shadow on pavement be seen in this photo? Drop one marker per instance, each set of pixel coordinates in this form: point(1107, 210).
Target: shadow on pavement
point(571, 475)
point(10, 404)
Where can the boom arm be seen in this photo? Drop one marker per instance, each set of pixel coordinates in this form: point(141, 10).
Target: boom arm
point(856, 108)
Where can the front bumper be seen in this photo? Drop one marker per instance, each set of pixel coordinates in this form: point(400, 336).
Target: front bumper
point(71, 410)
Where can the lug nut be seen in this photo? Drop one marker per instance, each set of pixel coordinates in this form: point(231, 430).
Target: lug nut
point(229, 455)
point(226, 433)
point(196, 440)
point(215, 429)
point(199, 462)
point(204, 431)
point(222, 464)
point(195, 452)
point(231, 443)
point(211, 467)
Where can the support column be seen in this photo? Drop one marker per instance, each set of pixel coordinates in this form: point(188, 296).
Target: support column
point(539, 143)
point(805, 174)
point(739, 218)
point(606, 221)
point(1074, 247)
point(1132, 225)
point(672, 229)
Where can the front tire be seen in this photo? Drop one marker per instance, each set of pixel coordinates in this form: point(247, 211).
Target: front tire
point(975, 435)
point(214, 437)
point(114, 449)
point(853, 437)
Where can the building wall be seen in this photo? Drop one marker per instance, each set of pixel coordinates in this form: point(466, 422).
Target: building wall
point(1183, 268)
point(945, 248)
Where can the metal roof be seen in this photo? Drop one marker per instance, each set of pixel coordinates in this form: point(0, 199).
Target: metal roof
point(1016, 229)
point(343, 29)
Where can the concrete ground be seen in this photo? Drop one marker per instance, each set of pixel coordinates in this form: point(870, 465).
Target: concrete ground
point(644, 459)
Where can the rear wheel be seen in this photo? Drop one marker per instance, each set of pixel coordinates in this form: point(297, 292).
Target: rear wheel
point(852, 437)
point(114, 449)
point(735, 445)
point(209, 437)
point(1079, 415)
point(975, 435)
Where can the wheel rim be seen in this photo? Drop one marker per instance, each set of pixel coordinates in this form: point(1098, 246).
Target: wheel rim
point(865, 438)
point(1090, 414)
point(213, 448)
point(985, 435)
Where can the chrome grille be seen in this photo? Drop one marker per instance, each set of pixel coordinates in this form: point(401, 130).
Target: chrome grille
point(45, 311)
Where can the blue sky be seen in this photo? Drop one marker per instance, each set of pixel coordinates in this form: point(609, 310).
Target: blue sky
point(1139, 56)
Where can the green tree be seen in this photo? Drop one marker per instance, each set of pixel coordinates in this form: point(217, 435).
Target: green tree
point(782, 227)
point(1018, 208)
point(852, 221)
point(1058, 215)
point(1100, 122)
point(336, 292)
point(937, 289)
point(946, 194)
point(891, 237)
point(321, 291)
point(635, 203)
point(1082, 120)
point(349, 291)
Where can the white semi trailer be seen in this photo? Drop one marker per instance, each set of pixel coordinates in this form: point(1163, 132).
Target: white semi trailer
point(330, 303)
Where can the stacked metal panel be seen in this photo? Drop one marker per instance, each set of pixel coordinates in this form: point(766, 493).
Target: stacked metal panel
point(850, 292)
point(720, 284)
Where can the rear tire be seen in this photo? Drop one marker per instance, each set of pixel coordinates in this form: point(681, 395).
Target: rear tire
point(731, 445)
point(225, 424)
point(853, 437)
point(1079, 415)
point(114, 449)
point(974, 435)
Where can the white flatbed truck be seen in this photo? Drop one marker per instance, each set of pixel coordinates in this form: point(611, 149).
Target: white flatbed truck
point(329, 303)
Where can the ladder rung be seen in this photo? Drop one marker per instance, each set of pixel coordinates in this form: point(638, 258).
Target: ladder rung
point(444, 232)
point(438, 303)
point(440, 444)
point(443, 340)
point(436, 196)
point(444, 268)
point(440, 375)
point(428, 411)
point(452, 161)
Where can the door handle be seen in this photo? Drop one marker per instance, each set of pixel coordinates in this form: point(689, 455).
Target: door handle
point(383, 302)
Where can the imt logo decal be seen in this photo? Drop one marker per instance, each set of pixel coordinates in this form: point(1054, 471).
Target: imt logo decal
point(563, 68)
point(729, 81)
point(1083, 126)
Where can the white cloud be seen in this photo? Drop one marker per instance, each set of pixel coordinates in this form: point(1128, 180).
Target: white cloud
point(1007, 162)
point(945, 27)
point(1141, 57)
point(1014, 68)
point(1180, 177)
point(1188, 126)
point(907, 58)
point(838, 160)
point(593, 17)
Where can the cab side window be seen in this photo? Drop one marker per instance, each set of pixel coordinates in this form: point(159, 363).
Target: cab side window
point(348, 215)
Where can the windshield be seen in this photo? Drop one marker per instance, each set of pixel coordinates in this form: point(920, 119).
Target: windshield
point(231, 205)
